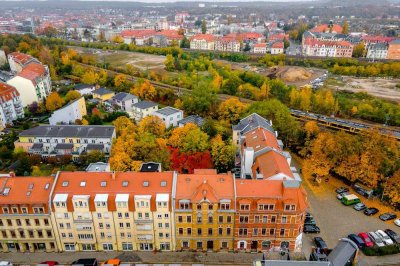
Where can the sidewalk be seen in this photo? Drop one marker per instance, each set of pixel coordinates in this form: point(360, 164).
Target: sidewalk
point(219, 258)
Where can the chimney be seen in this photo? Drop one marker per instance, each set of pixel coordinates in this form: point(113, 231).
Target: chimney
point(12, 174)
point(113, 175)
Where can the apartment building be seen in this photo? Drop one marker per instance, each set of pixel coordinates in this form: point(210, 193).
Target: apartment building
point(68, 114)
point(260, 48)
point(59, 140)
point(312, 47)
point(138, 37)
point(202, 42)
point(394, 50)
point(18, 61)
point(204, 211)
point(269, 215)
point(124, 101)
point(325, 28)
point(25, 219)
point(377, 51)
point(277, 47)
point(33, 83)
point(10, 105)
point(103, 94)
point(108, 211)
point(227, 44)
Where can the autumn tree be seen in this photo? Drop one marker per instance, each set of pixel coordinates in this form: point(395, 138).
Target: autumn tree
point(54, 101)
point(144, 90)
point(123, 125)
point(223, 154)
point(231, 110)
point(392, 189)
point(359, 50)
point(264, 91)
point(120, 80)
point(90, 77)
point(169, 62)
point(189, 138)
point(345, 29)
point(153, 125)
point(72, 95)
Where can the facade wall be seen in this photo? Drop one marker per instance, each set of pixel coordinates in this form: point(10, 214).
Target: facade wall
point(139, 114)
point(170, 120)
point(70, 113)
point(10, 111)
point(26, 90)
point(394, 51)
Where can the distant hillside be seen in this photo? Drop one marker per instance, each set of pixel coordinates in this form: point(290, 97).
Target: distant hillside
point(359, 2)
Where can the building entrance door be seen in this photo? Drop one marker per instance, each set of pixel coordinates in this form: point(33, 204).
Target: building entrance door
point(210, 245)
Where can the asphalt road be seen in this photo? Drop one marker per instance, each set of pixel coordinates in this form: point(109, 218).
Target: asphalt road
point(336, 221)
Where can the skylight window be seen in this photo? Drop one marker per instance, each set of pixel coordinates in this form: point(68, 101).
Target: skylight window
point(30, 186)
point(6, 191)
point(83, 184)
point(28, 193)
point(65, 184)
point(125, 183)
point(163, 183)
point(46, 187)
point(103, 183)
point(146, 183)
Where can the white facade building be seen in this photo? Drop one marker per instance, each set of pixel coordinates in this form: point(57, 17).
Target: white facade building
point(69, 113)
point(10, 105)
point(170, 116)
point(142, 109)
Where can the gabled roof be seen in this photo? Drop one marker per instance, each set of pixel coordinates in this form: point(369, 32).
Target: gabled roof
point(212, 187)
point(271, 163)
point(102, 91)
point(123, 96)
point(25, 189)
point(138, 33)
point(7, 92)
point(251, 122)
point(194, 119)
point(32, 72)
point(206, 37)
point(79, 87)
point(144, 104)
point(22, 59)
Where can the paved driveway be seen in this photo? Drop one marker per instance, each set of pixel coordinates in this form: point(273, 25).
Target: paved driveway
point(337, 221)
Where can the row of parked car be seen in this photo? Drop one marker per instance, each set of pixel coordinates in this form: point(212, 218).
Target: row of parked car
point(379, 238)
point(350, 199)
point(310, 226)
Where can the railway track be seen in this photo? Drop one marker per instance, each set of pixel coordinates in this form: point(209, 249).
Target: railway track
point(324, 121)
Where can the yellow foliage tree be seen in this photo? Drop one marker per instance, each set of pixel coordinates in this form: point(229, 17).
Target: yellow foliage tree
point(153, 125)
point(231, 110)
point(54, 101)
point(264, 91)
point(118, 39)
point(90, 77)
point(72, 95)
point(119, 80)
point(145, 90)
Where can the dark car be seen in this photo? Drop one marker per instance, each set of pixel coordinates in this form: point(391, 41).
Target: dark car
point(341, 190)
point(310, 221)
point(311, 229)
point(371, 211)
point(320, 243)
point(356, 239)
point(387, 216)
point(393, 235)
point(359, 206)
point(85, 262)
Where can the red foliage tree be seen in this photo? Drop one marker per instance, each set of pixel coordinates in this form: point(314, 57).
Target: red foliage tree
point(187, 162)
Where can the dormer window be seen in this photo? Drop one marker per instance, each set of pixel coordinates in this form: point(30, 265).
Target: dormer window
point(65, 184)
point(103, 183)
point(83, 184)
point(146, 183)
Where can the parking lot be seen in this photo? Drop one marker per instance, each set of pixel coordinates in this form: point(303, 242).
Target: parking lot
point(336, 221)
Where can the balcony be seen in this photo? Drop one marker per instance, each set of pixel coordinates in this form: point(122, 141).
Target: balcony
point(83, 220)
point(143, 221)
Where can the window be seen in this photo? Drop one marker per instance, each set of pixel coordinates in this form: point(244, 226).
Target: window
point(220, 219)
point(282, 232)
point(127, 215)
point(61, 225)
point(166, 215)
point(24, 210)
point(273, 219)
point(184, 206)
point(66, 215)
point(63, 235)
point(266, 207)
point(225, 206)
point(256, 219)
point(101, 225)
point(220, 230)
point(127, 246)
point(290, 207)
point(243, 219)
point(210, 207)
point(263, 231)
point(244, 207)
point(180, 219)
point(163, 183)
point(266, 245)
point(199, 206)
point(199, 245)
point(18, 221)
point(166, 225)
point(210, 219)
point(210, 231)
point(189, 231)
point(128, 225)
point(159, 225)
point(255, 231)
point(37, 222)
point(27, 222)
point(146, 183)
point(224, 245)
point(243, 231)
point(14, 210)
point(265, 219)
point(228, 231)
point(121, 225)
point(125, 183)
point(122, 235)
point(272, 232)
point(83, 184)
point(68, 225)
point(120, 215)
point(199, 219)
point(9, 222)
point(229, 219)
point(38, 210)
point(99, 215)
point(189, 219)
point(180, 231)
point(199, 232)
point(284, 219)
point(5, 210)
point(65, 184)
point(6, 191)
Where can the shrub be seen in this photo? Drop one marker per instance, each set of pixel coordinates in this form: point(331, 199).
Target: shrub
point(381, 251)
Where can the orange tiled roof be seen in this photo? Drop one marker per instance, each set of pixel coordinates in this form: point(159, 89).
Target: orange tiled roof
point(207, 37)
point(20, 186)
point(138, 33)
point(260, 138)
point(260, 45)
point(114, 185)
point(314, 42)
point(325, 28)
point(7, 92)
point(32, 71)
point(279, 45)
point(271, 163)
point(198, 186)
point(171, 34)
point(21, 58)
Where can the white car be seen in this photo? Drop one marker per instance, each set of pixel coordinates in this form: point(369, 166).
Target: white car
point(376, 239)
point(397, 222)
point(385, 238)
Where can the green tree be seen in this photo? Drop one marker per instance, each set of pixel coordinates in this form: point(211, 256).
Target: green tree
point(203, 27)
point(345, 29)
point(359, 50)
point(223, 154)
point(185, 43)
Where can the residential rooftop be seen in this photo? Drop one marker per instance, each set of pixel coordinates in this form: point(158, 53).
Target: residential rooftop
point(144, 104)
point(166, 111)
point(69, 131)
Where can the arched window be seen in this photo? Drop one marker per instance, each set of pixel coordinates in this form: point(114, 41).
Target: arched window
point(266, 244)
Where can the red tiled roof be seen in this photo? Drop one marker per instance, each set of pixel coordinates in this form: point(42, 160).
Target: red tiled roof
point(170, 34)
point(272, 163)
point(207, 37)
point(32, 71)
point(260, 45)
point(314, 42)
point(377, 39)
point(138, 33)
point(113, 186)
point(325, 28)
point(279, 45)
point(7, 92)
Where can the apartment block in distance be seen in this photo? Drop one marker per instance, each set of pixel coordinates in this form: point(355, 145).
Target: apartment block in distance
point(113, 211)
point(204, 207)
point(25, 220)
point(10, 105)
point(75, 140)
